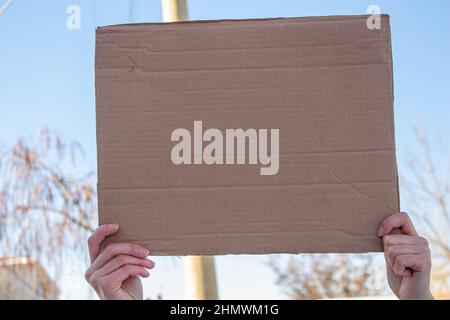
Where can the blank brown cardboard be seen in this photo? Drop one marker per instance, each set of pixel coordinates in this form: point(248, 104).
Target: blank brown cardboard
point(324, 82)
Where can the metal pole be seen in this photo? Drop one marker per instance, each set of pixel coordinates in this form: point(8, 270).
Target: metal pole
point(200, 271)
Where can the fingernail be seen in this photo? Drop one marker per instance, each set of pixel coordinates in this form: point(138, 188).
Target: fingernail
point(145, 252)
point(114, 226)
point(380, 231)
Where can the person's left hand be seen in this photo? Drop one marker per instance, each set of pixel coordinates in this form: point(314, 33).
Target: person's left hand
point(408, 258)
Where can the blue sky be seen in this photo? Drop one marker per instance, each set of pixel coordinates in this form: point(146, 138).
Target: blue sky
point(47, 77)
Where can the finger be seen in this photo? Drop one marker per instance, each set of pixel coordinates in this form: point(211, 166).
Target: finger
point(399, 220)
point(413, 262)
point(116, 278)
point(118, 262)
point(98, 236)
point(391, 252)
point(116, 249)
point(396, 239)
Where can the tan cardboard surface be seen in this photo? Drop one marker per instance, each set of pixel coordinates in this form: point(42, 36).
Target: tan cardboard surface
point(324, 82)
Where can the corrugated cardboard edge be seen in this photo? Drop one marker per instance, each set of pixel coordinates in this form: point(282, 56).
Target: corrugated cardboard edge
point(107, 28)
point(388, 21)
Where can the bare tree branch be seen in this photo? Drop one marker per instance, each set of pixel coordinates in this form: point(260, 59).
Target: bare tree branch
point(47, 207)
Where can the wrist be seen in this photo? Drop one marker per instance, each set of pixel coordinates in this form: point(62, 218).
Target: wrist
point(425, 295)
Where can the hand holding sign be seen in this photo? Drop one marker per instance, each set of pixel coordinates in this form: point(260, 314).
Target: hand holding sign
point(408, 259)
point(114, 272)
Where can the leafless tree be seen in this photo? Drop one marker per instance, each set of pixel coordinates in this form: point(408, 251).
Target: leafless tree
point(426, 190)
point(324, 276)
point(47, 206)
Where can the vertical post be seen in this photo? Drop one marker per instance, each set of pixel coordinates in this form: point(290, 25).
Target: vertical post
point(174, 10)
point(200, 276)
point(200, 271)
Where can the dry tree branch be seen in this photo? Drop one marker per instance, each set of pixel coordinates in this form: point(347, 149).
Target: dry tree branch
point(319, 276)
point(428, 177)
point(47, 207)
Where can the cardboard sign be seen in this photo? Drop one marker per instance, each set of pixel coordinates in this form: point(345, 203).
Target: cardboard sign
point(248, 136)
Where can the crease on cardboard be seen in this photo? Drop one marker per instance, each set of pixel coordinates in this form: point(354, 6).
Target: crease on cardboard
point(179, 237)
point(267, 185)
point(385, 60)
point(311, 66)
point(183, 51)
point(356, 190)
point(338, 151)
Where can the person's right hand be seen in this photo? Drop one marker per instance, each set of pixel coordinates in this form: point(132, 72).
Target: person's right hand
point(114, 272)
